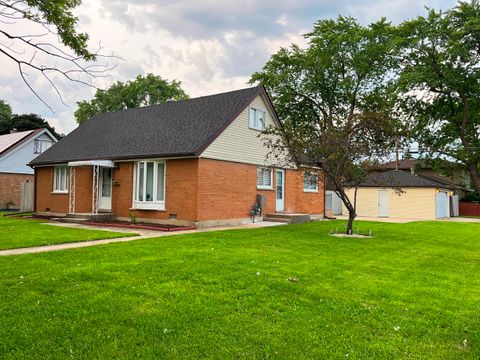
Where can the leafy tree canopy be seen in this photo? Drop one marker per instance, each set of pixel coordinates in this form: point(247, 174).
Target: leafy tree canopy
point(23, 122)
point(439, 83)
point(143, 91)
point(335, 100)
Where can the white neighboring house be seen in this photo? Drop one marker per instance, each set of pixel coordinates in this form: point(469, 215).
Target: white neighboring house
point(17, 149)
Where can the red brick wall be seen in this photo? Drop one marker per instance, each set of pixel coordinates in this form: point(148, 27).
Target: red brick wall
point(299, 201)
point(45, 198)
point(11, 189)
point(180, 192)
point(228, 190)
point(196, 190)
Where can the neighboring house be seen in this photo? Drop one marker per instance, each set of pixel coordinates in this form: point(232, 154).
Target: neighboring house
point(199, 161)
point(452, 174)
point(17, 149)
point(401, 194)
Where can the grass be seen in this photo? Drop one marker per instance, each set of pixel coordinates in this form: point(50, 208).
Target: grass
point(19, 233)
point(410, 292)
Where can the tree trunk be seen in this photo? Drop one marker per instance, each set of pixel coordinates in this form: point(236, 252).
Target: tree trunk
point(351, 217)
point(475, 175)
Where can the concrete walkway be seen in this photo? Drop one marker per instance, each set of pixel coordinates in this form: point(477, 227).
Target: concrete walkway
point(369, 218)
point(403, 220)
point(137, 234)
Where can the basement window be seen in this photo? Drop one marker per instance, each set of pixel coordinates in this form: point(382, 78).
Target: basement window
point(60, 179)
point(149, 185)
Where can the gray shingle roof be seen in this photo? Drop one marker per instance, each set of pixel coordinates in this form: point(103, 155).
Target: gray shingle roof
point(173, 129)
point(392, 178)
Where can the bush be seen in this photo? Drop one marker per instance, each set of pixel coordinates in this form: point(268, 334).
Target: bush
point(471, 197)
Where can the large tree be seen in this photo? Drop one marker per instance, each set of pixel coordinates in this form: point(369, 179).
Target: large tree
point(334, 99)
point(440, 83)
point(5, 113)
point(143, 91)
point(51, 47)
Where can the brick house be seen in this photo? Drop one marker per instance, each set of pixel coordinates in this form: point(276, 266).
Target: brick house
point(190, 162)
point(17, 149)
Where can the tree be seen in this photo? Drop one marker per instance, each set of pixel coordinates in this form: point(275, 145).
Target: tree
point(26, 122)
point(143, 91)
point(44, 48)
point(334, 99)
point(5, 115)
point(439, 83)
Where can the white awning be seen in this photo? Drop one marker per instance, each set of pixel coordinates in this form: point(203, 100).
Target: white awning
point(102, 163)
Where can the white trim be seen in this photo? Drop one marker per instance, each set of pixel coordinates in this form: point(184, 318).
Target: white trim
point(264, 187)
point(282, 208)
point(252, 125)
point(310, 190)
point(55, 189)
point(154, 204)
point(102, 163)
point(388, 203)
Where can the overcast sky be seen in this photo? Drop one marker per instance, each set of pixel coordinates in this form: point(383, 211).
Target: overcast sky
point(210, 46)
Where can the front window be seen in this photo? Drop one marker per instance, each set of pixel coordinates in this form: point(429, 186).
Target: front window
point(41, 145)
point(264, 178)
point(60, 179)
point(310, 182)
point(257, 119)
point(149, 185)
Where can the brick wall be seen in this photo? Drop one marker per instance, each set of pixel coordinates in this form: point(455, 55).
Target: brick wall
point(180, 192)
point(46, 200)
point(196, 190)
point(11, 189)
point(299, 201)
point(228, 190)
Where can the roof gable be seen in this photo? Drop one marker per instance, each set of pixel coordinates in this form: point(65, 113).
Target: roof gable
point(173, 129)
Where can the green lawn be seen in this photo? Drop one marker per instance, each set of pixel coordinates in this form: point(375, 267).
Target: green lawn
point(19, 233)
point(410, 292)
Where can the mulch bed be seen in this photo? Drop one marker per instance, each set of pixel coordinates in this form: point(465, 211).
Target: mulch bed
point(124, 224)
point(144, 226)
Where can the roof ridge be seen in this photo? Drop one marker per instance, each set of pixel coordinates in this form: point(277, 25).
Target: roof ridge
point(178, 101)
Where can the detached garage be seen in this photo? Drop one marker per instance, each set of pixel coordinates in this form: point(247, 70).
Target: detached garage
point(400, 194)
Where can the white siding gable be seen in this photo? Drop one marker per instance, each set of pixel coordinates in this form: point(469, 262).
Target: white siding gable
point(16, 160)
point(240, 143)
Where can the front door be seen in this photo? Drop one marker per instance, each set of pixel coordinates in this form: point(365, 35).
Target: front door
point(105, 189)
point(280, 190)
point(382, 203)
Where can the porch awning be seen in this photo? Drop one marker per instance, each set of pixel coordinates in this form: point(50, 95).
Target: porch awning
point(102, 163)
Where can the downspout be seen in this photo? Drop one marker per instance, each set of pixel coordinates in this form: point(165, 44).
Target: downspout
point(34, 190)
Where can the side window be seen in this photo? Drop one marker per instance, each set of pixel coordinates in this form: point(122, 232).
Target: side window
point(257, 119)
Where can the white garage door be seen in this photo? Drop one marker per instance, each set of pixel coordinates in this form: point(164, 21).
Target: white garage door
point(442, 204)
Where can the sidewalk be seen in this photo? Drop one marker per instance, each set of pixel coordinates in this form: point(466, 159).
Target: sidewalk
point(137, 234)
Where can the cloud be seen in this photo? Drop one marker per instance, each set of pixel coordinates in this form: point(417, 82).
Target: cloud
point(209, 45)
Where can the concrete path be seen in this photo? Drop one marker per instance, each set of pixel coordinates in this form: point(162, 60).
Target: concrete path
point(137, 234)
point(403, 220)
point(368, 218)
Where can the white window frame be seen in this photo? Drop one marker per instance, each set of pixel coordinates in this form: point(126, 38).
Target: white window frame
point(143, 204)
point(62, 187)
point(309, 189)
point(265, 187)
point(252, 123)
point(40, 145)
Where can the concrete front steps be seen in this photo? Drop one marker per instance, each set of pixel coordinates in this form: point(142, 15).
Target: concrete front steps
point(80, 217)
point(287, 218)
